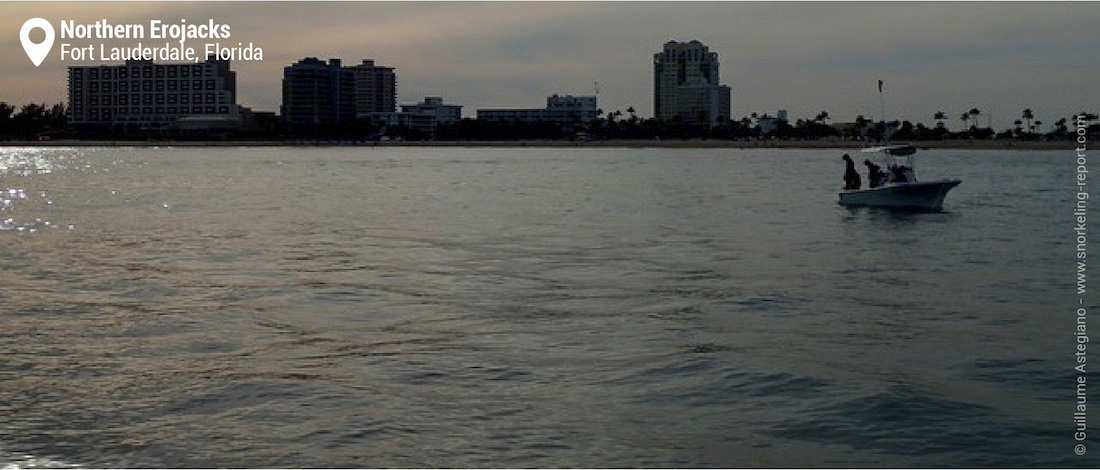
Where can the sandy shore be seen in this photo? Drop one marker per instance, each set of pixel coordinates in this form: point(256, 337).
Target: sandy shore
point(733, 144)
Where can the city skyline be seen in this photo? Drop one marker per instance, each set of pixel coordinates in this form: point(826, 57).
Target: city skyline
point(804, 57)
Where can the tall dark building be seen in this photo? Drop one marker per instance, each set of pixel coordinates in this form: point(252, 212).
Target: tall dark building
point(686, 85)
point(375, 88)
point(317, 94)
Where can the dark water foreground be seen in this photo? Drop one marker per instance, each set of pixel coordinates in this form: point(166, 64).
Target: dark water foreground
point(343, 307)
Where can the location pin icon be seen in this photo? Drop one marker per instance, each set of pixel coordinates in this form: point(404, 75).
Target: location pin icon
point(37, 52)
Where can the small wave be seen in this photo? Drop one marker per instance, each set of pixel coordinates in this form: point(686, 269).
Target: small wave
point(907, 421)
point(779, 305)
point(30, 461)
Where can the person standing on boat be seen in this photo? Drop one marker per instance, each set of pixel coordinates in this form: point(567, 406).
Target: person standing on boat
point(851, 176)
point(874, 174)
point(899, 173)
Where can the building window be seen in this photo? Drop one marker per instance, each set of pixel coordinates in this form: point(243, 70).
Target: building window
point(123, 101)
point(173, 86)
point(185, 85)
point(172, 71)
point(172, 99)
point(210, 98)
point(147, 72)
point(185, 99)
point(209, 110)
point(196, 84)
point(209, 85)
point(93, 74)
point(122, 86)
point(160, 99)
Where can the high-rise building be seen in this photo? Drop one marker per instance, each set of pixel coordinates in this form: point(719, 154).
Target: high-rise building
point(375, 88)
point(317, 94)
point(686, 85)
point(148, 96)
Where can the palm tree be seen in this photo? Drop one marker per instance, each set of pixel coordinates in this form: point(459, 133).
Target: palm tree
point(974, 113)
point(1028, 116)
point(965, 119)
point(939, 117)
point(1060, 126)
point(1019, 127)
point(822, 117)
point(1038, 126)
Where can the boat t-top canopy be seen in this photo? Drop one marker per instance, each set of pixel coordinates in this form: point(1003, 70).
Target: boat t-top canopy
point(895, 150)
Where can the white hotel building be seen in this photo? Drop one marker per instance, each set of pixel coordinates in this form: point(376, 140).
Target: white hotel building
point(152, 96)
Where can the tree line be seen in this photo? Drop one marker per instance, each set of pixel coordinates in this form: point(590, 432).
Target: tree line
point(41, 121)
point(32, 121)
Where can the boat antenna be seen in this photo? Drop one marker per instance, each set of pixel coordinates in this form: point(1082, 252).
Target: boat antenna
point(882, 112)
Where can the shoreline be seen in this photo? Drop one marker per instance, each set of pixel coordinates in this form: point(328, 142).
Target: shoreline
point(657, 144)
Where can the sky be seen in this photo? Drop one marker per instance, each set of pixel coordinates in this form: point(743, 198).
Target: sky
point(804, 57)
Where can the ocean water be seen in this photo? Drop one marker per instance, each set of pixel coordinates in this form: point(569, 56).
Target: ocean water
point(380, 307)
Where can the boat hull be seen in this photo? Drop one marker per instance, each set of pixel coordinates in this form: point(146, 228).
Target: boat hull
point(927, 195)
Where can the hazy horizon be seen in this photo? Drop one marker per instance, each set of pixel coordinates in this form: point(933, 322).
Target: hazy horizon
point(805, 57)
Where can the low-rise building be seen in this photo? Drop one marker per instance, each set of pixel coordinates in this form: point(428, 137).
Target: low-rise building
point(419, 122)
point(433, 105)
point(566, 109)
point(768, 124)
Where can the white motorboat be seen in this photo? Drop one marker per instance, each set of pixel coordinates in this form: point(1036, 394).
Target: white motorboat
point(899, 187)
